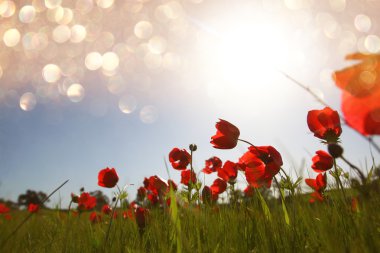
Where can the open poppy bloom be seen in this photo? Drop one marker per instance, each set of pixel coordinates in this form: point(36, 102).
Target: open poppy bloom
point(86, 201)
point(322, 161)
point(106, 209)
point(95, 217)
point(228, 172)
point(179, 158)
point(208, 196)
point(261, 163)
point(226, 136)
point(4, 208)
point(107, 178)
point(33, 208)
point(249, 191)
point(212, 165)
point(158, 185)
point(325, 124)
point(361, 93)
point(219, 186)
point(188, 176)
point(319, 185)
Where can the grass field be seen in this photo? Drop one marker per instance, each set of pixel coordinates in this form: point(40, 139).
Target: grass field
point(320, 227)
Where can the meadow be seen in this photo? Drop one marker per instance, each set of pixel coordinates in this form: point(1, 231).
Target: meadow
point(273, 213)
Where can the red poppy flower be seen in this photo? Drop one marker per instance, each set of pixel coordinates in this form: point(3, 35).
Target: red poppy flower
point(322, 161)
point(179, 158)
point(188, 176)
point(219, 186)
point(229, 172)
point(249, 191)
point(153, 198)
point(261, 163)
point(107, 178)
point(212, 165)
point(157, 185)
point(319, 183)
point(106, 209)
point(361, 93)
point(95, 217)
point(33, 208)
point(4, 208)
point(141, 193)
point(325, 124)
point(354, 204)
point(86, 201)
point(316, 196)
point(141, 215)
point(208, 196)
point(226, 136)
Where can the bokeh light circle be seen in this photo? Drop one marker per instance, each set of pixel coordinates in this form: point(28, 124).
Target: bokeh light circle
point(75, 92)
point(51, 73)
point(94, 61)
point(11, 37)
point(27, 14)
point(110, 61)
point(28, 101)
point(148, 114)
point(127, 104)
point(143, 29)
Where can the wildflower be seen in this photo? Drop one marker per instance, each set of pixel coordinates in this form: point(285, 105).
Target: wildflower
point(86, 201)
point(141, 215)
point(325, 124)
point(179, 158)
point(212, 165)
point(157, 185)
point(33, 208)
point(4, 209)
point(95, 217)
point(141, 193)
point(361, 93)
point(261, 163)
point(106, 209)
point(322, 161)
point(218, 186)
point(187, 177)
point(319, 185)
point(208, 196)
point(228, 172)
point(107, 178)
point(226, 136)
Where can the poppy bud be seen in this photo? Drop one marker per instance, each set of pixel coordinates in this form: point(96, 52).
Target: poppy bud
point(335, 150)
point(113, 199)
point(193, 147)
point(81, 189)
point(74, 198)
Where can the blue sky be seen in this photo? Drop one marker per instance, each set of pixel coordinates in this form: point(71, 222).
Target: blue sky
point(228, 60)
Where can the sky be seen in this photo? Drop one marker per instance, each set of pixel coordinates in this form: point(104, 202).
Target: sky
point(86, 84)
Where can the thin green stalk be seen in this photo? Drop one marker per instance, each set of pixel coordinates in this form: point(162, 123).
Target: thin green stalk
point(339, 182)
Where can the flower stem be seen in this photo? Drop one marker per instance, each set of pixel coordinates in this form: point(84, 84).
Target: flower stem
point(339, 183)
point(113, 212)
point(360, 173)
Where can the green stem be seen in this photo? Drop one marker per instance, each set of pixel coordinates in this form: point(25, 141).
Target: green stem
point(360, 173)
point(113, 212)
point(339, 183)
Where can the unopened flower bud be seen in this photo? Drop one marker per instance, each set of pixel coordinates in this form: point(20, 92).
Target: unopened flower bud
point(193, 147)
point(74, 198)
point(335, 150)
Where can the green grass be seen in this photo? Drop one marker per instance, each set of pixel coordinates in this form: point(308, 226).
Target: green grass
point(318, 227)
